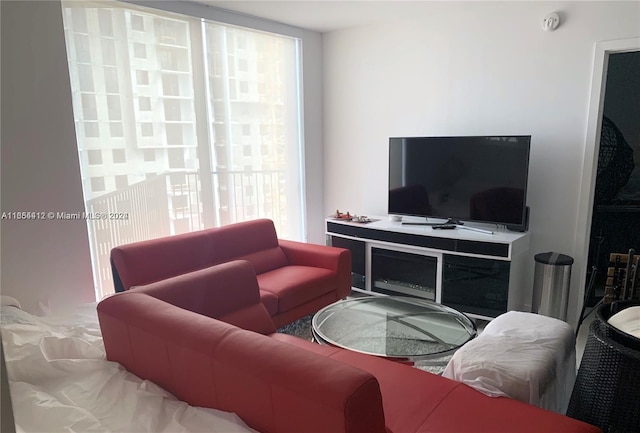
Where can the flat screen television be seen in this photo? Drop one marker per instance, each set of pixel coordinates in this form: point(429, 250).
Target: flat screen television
point(466, 178)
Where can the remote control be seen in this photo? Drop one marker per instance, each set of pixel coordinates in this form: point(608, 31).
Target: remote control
point(445, 227)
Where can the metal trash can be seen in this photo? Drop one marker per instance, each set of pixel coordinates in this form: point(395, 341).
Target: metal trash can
point(551, 284)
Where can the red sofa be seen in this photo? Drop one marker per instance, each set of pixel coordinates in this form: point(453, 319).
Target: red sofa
point(207, 338)
point(295, 278)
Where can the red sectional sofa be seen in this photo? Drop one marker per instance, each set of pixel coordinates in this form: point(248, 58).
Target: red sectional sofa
point(207, 338)
point(295, 279)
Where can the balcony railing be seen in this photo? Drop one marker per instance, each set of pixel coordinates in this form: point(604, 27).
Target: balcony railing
point(172, 203)
point(144, 210)
point(245, 195)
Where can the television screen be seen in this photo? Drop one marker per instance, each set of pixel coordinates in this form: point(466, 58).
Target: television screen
point(480, 179)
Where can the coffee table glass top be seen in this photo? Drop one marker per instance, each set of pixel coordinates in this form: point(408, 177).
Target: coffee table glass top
point(393, 327)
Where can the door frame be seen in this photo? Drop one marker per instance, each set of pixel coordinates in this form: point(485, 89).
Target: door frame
point(592, 149)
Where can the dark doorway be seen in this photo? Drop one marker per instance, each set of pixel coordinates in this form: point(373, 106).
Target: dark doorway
point(615, 226)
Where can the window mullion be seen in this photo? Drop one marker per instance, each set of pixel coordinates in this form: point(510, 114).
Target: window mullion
point(203, 131)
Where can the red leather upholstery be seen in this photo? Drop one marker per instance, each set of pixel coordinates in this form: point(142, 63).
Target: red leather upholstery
point(295, 278)
point(156, 259)
point(280, 383)
point(272, 386)
point(227, 292)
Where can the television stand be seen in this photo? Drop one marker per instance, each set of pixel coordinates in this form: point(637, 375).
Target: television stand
point(481, 275)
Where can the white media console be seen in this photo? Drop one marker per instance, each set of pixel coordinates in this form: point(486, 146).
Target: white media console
point(476, 272)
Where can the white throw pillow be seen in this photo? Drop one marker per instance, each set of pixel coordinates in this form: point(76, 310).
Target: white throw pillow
point(627, 320)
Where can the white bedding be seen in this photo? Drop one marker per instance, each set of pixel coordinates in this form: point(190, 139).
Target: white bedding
point(60, 381)
point(524, 356)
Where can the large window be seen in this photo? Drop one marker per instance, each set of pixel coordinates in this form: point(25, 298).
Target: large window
point(182, 124)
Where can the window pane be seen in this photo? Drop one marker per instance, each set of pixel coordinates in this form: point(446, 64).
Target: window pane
point(149, 154)
point(91, 129)
point(105, 23)
point(174, 135)
point(97, 184)
point(94, 157)
point(139, 51)
point(172, 109)
point(170, 85)
point(142, 78)
point(119, 156)
point(174, 59)
point(122, 181)
point(113, 104)
point(115, 129)
point(146, 129)
point(109, 52)
point(79, 21)
point(85, 78)
point(176, 158)
point(259, 97)
point(133, 69)
point(144, 103)
point(111, 80)
point(171, 32)
point(137, 22)
point(82, 49)
point(89, 108)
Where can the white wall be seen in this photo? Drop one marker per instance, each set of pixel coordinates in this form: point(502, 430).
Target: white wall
point(464, 69)
point(45, 263)
point(313, 130)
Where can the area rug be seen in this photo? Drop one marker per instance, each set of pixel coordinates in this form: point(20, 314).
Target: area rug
point(302, 328)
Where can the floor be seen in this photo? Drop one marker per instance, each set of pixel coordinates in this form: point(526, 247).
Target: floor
point(581, 339)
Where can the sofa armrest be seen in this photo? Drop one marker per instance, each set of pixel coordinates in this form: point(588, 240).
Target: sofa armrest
point(335, 259)
point(295, 390)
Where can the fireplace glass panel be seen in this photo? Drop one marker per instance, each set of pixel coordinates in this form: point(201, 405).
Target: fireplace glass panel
point(400, 273)
point(476, 286)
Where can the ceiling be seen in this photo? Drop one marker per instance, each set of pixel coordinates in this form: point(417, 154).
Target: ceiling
point(321, 15)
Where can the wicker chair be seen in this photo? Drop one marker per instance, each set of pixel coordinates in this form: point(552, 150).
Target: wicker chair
point(607, 389)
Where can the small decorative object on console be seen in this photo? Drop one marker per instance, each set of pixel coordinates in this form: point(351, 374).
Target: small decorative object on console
point(360, 219)
point(353, 218)
point(342, 216)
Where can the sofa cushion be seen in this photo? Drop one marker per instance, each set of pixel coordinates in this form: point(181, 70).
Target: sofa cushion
point(296, 285)
point(265, 260)
point(270, 301)
point(156, 259)
point(496, 415)
point(255, 241)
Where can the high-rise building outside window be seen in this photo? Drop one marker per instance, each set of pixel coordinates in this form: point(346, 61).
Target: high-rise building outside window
point(194, 141)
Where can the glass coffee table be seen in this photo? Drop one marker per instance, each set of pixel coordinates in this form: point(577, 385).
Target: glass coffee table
point(401, 328)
